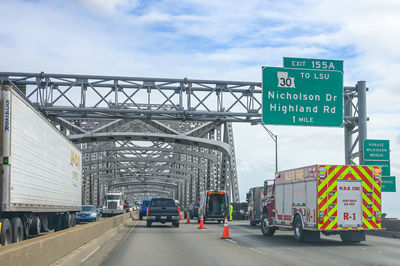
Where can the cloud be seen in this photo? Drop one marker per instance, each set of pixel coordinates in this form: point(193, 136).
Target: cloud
point(106, 6)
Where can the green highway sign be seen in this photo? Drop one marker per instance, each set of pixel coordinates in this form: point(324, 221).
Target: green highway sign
point(303, 97)
point(309, 63)
point(385, 166)
point(375, 149)
point(388, 183)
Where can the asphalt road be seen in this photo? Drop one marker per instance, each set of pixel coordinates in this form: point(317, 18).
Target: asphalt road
point(187, 245)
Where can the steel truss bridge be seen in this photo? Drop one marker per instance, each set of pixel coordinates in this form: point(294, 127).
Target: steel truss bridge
point(160, 136)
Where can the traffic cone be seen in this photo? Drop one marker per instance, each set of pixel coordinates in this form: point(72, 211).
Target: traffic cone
point(188, 218)
point(225, 232)
point(180, 217)
point(201, 222)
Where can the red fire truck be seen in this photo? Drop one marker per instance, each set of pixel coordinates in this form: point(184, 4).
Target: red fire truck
point(327, 199)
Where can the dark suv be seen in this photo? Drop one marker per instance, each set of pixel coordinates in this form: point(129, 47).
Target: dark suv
point(193, 210)
point(163, 210)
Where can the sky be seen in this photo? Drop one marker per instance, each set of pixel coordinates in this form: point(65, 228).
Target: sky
point(223, 40)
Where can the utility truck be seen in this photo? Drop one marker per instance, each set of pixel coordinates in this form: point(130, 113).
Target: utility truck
point(327, 199)
point(41, 171)
point(114, 204)
point(214, 205)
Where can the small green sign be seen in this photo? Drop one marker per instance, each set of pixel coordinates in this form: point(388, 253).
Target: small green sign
point(375, 149)
point(385, 165)
point(302, 97)
point(309, 63)
point(388, 184)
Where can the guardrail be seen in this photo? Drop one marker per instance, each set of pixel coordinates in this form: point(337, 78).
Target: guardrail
point(49, 248)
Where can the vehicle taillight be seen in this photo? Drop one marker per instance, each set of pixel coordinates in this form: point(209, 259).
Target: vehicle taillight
point(148, 210)
point(177, 210)
point(321, 217)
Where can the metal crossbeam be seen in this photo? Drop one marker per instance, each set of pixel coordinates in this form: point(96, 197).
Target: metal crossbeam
point(91, 96)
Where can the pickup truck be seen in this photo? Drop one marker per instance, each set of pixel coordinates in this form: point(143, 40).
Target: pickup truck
point(163, 210)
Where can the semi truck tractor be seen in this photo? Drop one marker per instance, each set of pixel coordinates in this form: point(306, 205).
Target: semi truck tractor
point(327, 199)
point(114, 204)
point(255, 200)
point(41, 171)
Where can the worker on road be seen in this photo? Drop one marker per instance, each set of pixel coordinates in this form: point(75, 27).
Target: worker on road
point(230, 213)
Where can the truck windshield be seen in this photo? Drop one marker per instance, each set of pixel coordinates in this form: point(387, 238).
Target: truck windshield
point(113, 197)
point(163, 202)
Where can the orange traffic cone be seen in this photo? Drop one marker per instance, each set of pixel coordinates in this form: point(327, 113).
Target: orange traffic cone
point(180, 216)
point(187, 218)
point(201, 222)
point(225, 233)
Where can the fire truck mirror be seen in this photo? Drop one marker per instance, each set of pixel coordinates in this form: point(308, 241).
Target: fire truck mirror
point(247, 197)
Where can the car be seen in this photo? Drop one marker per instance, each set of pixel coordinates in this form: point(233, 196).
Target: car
point(163, 210)
point(192, 209)
point(143, 209)
point(89, 213)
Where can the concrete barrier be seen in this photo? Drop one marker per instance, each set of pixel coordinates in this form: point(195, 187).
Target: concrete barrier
point(46, 249)
point(391, 224)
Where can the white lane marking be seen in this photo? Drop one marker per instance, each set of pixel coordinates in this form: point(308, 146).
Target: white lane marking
point(234, 242)
point(91, 253)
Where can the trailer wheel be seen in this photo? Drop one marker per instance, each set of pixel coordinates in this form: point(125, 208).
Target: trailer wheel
point(17, 229)
point(66, 220)
point(265, 228)
point(6, 232)
point(58, 222)
point(73, 219)
point(298, 229)
point(44, 223)
point(34, 229)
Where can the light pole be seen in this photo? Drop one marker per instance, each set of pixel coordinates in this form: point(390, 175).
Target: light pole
point(275, 139)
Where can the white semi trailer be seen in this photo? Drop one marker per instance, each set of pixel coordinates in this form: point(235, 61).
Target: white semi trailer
point(41, 172)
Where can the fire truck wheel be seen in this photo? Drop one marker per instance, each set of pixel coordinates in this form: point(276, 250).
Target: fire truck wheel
point(265, 228)
point(298, 229)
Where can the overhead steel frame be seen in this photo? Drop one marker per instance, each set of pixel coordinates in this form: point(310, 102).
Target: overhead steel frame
point(156, 99)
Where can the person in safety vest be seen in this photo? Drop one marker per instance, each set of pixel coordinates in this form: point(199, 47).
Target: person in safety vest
point(230, 213)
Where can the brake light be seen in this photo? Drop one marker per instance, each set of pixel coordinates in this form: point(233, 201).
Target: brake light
point(177, 210)
point(148, 210)
point(321, 217)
